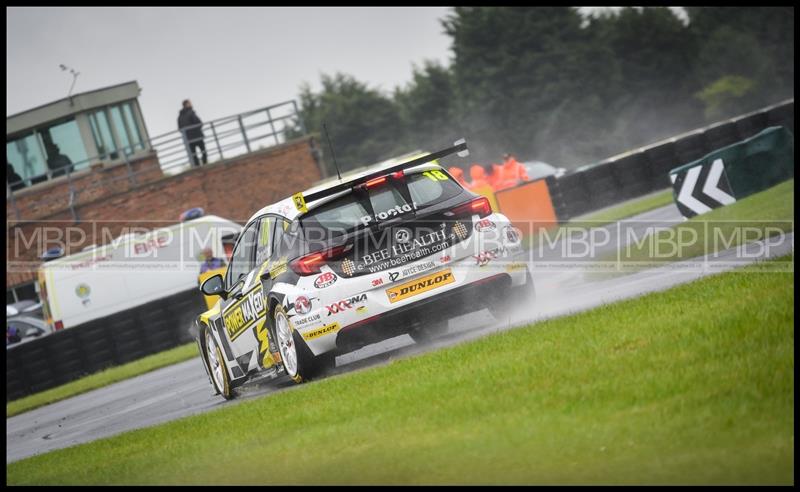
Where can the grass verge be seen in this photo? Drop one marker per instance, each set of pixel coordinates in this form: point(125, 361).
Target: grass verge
point(628, 209)
point(762, 215)
point(103, 378)
point(690, 385)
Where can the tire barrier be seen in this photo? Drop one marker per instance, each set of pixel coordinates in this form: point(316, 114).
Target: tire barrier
point(734, 172)
point(70, 354)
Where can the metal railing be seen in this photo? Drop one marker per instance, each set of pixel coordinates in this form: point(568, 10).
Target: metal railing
point(222, 138)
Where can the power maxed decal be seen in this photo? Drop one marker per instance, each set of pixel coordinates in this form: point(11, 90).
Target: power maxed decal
point(244, 313)
point(420, 285)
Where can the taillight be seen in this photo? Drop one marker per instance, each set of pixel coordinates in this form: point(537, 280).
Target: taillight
point(59, 325)
point(311, 263)
point(375, 182)
point(480, 206)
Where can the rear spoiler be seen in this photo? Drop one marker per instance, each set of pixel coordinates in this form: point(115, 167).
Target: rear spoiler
point(459, 147)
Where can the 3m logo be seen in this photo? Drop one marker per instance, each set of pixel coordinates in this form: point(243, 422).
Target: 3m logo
point(325, 330)
point(420, 285)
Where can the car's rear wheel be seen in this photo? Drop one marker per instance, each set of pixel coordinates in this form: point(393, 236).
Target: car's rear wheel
point(216, 365)
point(426, 332)
point(298, 361)
point(517, 297)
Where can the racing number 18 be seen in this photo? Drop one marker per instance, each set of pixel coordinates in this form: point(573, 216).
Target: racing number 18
point(435, 175)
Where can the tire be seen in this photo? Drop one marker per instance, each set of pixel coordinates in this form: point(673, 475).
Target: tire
point(299, 363)
point(524, 295)
point(427, 332)
point(216, 365)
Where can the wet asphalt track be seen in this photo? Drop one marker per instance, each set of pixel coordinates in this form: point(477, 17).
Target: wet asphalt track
point(183, 389)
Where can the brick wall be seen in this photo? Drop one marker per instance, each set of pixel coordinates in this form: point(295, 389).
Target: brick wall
point(100, 180)
point(233, 189)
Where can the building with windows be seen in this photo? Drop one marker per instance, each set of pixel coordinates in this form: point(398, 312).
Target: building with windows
point(82, 169)
point(70, 134)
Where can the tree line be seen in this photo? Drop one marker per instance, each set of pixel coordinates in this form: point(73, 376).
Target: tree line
point(552, 84)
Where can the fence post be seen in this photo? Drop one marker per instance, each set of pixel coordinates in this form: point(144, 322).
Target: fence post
point(299, 118)
point(131, 175)
point(216, 140)
point(244, 133)
point(272, 125)
point(72, 195)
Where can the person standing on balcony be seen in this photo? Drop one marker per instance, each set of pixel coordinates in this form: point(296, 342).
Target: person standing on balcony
point(192, 128)
point(56, 161)
point(13, 179)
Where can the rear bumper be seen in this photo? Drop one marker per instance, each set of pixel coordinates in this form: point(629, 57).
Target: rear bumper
point(461, 300)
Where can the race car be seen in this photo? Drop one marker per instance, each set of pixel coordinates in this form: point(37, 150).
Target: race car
point(332, 269)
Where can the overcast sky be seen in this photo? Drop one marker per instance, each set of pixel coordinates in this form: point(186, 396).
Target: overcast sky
point(227, 60)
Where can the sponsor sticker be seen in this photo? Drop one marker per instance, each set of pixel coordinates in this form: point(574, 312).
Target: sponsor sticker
point(299, 202)
point(485, 225)
point(484, 257)
point(402, 235)
point(83, 291)
point(412, 270)
point(402, 253)
point(392, 212)
point(345, 304)
point(322, 331)
point(302, 305)
point(348, 267)
point(512, 235)
point(420, 285)
point(241, 315)
point(325, 280)
point(304, 321)
point(376, 282)
point(460, 230)
point(514, 267)
point(278, 268)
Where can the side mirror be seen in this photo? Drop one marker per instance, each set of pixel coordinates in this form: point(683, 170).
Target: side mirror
point(214, 286)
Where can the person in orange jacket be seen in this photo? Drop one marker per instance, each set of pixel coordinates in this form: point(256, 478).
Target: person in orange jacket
point(496, 176)
point(513, 170)
point(458, 174)
point(479, 176)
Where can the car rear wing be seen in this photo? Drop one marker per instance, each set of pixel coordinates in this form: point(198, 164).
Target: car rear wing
point(459, 147)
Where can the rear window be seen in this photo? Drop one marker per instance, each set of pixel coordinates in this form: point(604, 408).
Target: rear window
point(346, 213)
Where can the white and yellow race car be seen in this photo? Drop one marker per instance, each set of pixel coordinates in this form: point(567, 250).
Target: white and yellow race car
point(397, 250)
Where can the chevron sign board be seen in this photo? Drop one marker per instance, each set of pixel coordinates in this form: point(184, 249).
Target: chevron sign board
point(701, 188)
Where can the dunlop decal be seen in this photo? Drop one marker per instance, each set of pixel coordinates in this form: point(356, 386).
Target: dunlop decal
point(244, 313)
point(420, 285)
point(318, 332)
